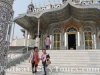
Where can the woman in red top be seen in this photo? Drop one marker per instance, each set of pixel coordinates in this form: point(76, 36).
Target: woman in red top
point(34, 59)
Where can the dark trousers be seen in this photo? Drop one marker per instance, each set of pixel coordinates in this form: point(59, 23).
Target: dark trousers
point(44, 67)
point(34, 67)
point(47, 47)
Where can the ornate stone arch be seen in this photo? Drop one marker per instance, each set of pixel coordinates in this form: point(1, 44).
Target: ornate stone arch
point(71, 29)
point(71, 23)
point(56, 29)
point(87, 28)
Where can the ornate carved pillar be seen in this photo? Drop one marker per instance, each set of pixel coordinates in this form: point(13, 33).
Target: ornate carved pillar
point(38, 39)
point(38, 27)
point(6, 17)
point(51, 41)
point(78, 38)
point(66, 40)
point(26, 39)
point(95, 47)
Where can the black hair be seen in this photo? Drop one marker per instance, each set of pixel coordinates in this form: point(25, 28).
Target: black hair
point(43, 49)
point(35, 48)
point(47, 36)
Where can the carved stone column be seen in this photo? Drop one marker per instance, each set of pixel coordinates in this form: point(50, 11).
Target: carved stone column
point(6, 16)
point(38, 38)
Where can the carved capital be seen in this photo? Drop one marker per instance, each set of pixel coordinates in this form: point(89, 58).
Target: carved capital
point(39, 19)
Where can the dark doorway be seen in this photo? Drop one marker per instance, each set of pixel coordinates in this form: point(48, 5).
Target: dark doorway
point(71, 41)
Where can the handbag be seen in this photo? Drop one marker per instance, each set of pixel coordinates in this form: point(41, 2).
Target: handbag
point(48, 62)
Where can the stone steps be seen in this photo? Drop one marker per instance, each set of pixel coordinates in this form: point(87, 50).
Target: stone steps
point(64, 65)
point(77, 60)
point(56, 73)
point(72, 60)
point(53, 74)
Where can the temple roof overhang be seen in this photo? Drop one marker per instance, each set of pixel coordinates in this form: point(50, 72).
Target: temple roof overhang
point(47, 17)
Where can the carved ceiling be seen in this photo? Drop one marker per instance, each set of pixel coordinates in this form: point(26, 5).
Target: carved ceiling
point(28, 21)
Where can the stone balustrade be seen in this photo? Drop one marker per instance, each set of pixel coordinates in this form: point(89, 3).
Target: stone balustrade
point(12, 56)
point(19, 59)
point(22, 42)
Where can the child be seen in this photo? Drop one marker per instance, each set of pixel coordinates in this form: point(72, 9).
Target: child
point(44, 57)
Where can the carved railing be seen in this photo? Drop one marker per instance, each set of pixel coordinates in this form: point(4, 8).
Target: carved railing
point(15, 61)
point(18, 59)
point(21, 42)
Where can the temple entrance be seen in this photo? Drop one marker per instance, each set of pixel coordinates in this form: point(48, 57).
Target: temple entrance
point(72, 38)
point(71, 41)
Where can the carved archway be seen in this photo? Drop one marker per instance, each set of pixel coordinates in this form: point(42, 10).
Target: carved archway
point(71, 29)
point(71, 23)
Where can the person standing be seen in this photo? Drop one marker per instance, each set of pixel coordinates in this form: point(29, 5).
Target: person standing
point(44, 58)
point(34, 59)
point(47, 43)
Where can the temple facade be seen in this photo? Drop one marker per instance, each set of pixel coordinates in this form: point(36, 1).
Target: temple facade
point(70, 24)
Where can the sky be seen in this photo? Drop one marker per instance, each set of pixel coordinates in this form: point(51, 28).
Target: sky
point(20, 6)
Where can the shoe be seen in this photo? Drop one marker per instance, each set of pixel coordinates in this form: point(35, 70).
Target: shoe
point(33, 72)
point(44, 74)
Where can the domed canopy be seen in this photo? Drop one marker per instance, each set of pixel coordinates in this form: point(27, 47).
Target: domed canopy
point(85, 13)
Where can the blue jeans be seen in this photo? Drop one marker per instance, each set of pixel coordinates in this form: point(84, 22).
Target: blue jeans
point(44, 67)
point(47, 47)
